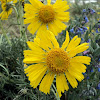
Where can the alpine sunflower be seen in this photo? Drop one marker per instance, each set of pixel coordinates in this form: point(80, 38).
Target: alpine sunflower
point(7, 8)
point(46, 17)
point(49, 60)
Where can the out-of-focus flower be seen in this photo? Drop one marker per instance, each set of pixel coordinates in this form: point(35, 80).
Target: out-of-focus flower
point(85, 52)
point(84, 73)
point(84, 10)
point(48, 16)
point(87, 77)
point(61, 33)
point(98, 12)
point(98, 69)
point(88, 40)
point(82, 39)
point(92, 11)
point(84, 28)
point(92, 70)
point(86, 19)
point(7, 8)
point(98, 26)
point(72, 30)
point(92, 31)
point(79, 30)
point(52, 61)
point(98, 87)
point(88, 28)
point(97, 30)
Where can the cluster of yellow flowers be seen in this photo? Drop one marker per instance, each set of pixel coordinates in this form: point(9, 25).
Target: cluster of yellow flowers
point(48, 60)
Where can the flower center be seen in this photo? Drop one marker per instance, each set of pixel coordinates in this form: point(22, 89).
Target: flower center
point(7, 6)
point(57, 60)
point(46, 14)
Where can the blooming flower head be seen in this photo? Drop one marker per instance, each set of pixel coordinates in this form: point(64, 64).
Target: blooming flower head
point(7, 8)
point(46, 17)
point(49, 60)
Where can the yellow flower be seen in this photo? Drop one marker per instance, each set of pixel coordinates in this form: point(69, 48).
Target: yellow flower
point(98, 12)
point(46, 17)
point(49, 60)
point(88, 28)
point(7, 8)
point(93, 31)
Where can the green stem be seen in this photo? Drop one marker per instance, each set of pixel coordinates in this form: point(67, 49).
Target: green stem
point(23, 32)
point(4, 33)
point(15, 11)
point(17, 18)
point(56, 95)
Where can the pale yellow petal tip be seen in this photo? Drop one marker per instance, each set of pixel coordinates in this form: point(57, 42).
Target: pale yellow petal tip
point(75, 86)
point(25, 65)
point(46, 92)
point(89, 61)
point(28, 43)
point(82, 77)
point(58, 94)
point(24, 61)
point(67, 33)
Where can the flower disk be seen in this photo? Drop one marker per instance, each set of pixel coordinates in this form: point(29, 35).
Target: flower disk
point(57, 60)
point(46, 14)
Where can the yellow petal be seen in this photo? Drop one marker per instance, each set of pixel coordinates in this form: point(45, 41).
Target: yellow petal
point(46, 83)
point(52, 38)
point(65, 44)
point(36, 3)
point(78, 67)
point(61, 84)
point(48, 2)
point(40, 43)
point(43, 29)
point(71, 79)
point(35, 74)
point(60, 5)
point(28, 8)
point(81, 59)
point(73, 43)
point(62, 16)
point(44, 38)
point(34, 26)
point(53, 28)
point(79, 76)
point(56, 27)
point(78, 49)
point(34, 53)
point(14, 1)
point(60, 25)
point(33, 59)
